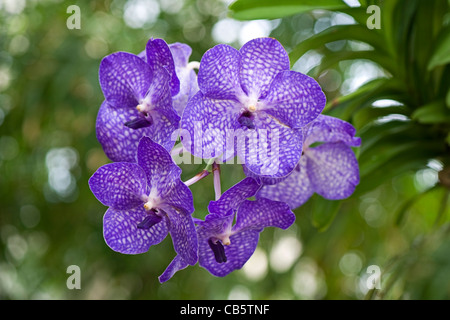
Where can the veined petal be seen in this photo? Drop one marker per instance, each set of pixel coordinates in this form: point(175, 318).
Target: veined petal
point(232, 198)
point(158, 93)
point(333, 170)
point(263, 213)
point(294, 98)
point(162, 173)
point(262, 60)
point(295, 190)
point(242, 245)
point(272, 150)
point(331, 129)
point(188, 88)
point(216, 224)
point(206, 123)
point(124, 79)
point(183, 233)
point(122, 234)
point(180, 53)
point(120, 142)
point(175, 265)
point(180, 197)
point(164, 127)
point(119, 185)
point(218, 76)
point(261, 179)
point(160, 57)
point(188, 78)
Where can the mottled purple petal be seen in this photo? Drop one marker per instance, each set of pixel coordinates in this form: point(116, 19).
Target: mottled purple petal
point(331, 129)
point(216, 224)
point(119, 185)
point(272, 150)
point(180, 197)
point(242, 245)
point(183, 233)
point(295, 190)
point(124, 79)
point(294, 99)
point(164, 128)
point(120, 142)
point(234, 196)
point(333, 170)
point(188, 78)
point(262, 213)
point(261, 179)
point(188, 88)
point(206, 123)
point(218, 76)
point(180, 53)
point(159, 57)
point(262, 60)
point(176, 265)
point(162, 173)
point(122, 234)
point(158, 94)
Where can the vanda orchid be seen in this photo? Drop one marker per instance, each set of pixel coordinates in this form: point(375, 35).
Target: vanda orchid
point(243, 103)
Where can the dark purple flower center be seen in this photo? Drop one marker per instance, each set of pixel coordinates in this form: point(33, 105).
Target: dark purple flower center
point(218, 249)
point(140, 122)
point(246, 120)
point(150, 220)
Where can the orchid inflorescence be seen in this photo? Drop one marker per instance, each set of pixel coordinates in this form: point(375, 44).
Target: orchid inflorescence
point(244, 104)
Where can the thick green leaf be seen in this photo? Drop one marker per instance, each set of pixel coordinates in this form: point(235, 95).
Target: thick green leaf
point(411, 159)
point(431, 113)
point(368, 115)
point(323, 212)
point(447, 99)
point(383, 60)
point(346, 107)
point(441, 53)
point(339, 32)
point(269, 9)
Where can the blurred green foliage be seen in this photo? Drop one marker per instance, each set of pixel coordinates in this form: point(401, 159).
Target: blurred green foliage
point(392, 83)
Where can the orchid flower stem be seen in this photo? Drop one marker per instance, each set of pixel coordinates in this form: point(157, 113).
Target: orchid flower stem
point(216, 175)
point(209, 164)
point(197, 177)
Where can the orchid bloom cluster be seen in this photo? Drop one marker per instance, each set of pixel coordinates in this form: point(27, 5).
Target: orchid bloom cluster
point(245, 104)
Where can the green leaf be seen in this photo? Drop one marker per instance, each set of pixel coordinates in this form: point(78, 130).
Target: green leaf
point(345, 107)
point(339, 32)
point(447, 99)
point(269, 9)
point(411, 159)
point(431, 113)
point(323, 212)
point(441, 54)
point(368, 115)
point(383, 60)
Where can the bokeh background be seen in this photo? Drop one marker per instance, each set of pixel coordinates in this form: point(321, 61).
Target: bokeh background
point(392, 83)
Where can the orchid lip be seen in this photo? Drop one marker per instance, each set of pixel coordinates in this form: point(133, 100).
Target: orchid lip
point(149, 221)
point(246, 120)
point(140, 122)
point(218, 250)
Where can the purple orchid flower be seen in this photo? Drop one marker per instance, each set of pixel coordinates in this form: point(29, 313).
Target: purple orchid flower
point(251, 96)
point(224, 247)
point(329, 169)
point(146, 200)
point(138, 100)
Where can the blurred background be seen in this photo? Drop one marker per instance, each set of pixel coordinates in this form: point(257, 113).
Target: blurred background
point(391, 81)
